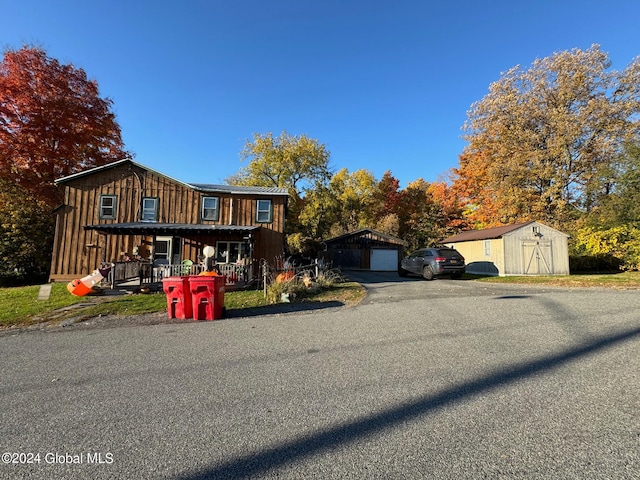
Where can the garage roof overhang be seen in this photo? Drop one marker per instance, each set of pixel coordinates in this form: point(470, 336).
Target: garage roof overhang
point(144, 228)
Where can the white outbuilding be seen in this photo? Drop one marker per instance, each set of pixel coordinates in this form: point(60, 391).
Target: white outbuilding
point(529, 248)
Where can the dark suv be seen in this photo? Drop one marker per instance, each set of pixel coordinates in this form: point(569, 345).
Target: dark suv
point(431, 262)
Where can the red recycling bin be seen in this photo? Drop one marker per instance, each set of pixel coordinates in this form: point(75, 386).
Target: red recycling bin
point(179, 304)
point(207, 296)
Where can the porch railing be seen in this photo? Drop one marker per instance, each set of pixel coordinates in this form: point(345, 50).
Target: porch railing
point(123, 272)
point(145, 273)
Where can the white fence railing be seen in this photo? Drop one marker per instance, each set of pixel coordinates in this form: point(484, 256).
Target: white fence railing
point(176, 270)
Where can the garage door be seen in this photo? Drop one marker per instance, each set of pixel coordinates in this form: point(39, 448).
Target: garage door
point(384, 260)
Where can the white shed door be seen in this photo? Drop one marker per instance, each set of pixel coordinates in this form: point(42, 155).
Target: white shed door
point(537, 257)
point(384, 260)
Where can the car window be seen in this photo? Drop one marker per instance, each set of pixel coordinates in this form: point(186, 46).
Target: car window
point(428, 253)
point(448, 253)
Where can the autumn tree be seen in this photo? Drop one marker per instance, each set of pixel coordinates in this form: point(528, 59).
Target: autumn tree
point(298, 163)
point(612, 228)
point(420, 215)
point(354, 194)
point(451, 219)
point(387, 196)
point(350, 201)
point(286, 161)
point(53, 122)
point(544, 139)
point(320, 212)
point(475, 193)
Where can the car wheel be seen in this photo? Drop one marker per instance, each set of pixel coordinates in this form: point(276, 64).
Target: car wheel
point(427, 273)
point(402, 272)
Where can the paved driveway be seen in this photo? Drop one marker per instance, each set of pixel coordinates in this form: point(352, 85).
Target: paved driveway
point(443, 379)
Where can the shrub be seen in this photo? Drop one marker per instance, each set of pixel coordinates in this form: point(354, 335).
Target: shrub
point(292, 287)
point(301, 284)
point(621, 243)
point(594, 264)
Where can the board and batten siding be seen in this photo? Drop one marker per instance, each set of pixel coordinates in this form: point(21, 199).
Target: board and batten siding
point(77, 252)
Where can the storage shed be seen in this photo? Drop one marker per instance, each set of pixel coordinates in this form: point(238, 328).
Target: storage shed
point(366, 249)
point(529, 248)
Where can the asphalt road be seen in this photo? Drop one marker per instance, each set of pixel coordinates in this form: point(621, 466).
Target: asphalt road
point(443, 379)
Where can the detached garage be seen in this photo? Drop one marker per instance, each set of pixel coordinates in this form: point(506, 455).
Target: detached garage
point(530, 248)
point(365, 249)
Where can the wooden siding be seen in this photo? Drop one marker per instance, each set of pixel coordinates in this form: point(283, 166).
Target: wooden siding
point(517, 244)
point(477, 260)
point(77, 251)
point(353, 250)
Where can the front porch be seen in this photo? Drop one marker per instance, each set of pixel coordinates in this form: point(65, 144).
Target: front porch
point(145, 273)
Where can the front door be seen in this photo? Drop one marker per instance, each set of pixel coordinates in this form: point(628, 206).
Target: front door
point(163, 249)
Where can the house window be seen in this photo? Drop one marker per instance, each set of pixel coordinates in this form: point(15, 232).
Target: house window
point(231, 252)
point(264, 213)
point(487, 248)
point(149, 209)
point(210, 208)
point(107, 208)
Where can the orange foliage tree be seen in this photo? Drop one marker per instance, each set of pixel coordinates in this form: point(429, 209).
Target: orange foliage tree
point(545, 141)
point(53, 122)
point(452, 218)
point(473, 188)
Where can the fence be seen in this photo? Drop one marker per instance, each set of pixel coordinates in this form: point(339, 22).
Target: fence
point(123, 272)
point(145, 272)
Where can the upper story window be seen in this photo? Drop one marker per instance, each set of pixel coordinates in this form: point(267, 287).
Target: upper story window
point(487, 248)
point(210, 208)
point(264, 212)
point(149, 209)
point(107, 207)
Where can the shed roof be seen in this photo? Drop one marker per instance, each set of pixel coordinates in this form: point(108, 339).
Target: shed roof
point(485, 234)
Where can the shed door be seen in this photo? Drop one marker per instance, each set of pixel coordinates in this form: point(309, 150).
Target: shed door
point(384, 260)
point(537, 257)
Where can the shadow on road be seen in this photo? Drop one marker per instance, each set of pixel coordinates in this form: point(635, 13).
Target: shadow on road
point(295, 307)
point(376, 277)
point(314, 443)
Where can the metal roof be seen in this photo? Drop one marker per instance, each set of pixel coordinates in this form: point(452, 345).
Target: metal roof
point(486, 234)
point(206, 187)
point(150, 228)
point(239, 189)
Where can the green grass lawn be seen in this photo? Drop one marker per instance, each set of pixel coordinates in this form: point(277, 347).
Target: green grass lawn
point(24, 308)
point(629, 280)
point(21, 304)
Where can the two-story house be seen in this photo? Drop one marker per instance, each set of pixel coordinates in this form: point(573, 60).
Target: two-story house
point(125, 211)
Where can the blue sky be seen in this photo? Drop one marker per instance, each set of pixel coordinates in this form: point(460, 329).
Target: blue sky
point(385, 85)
